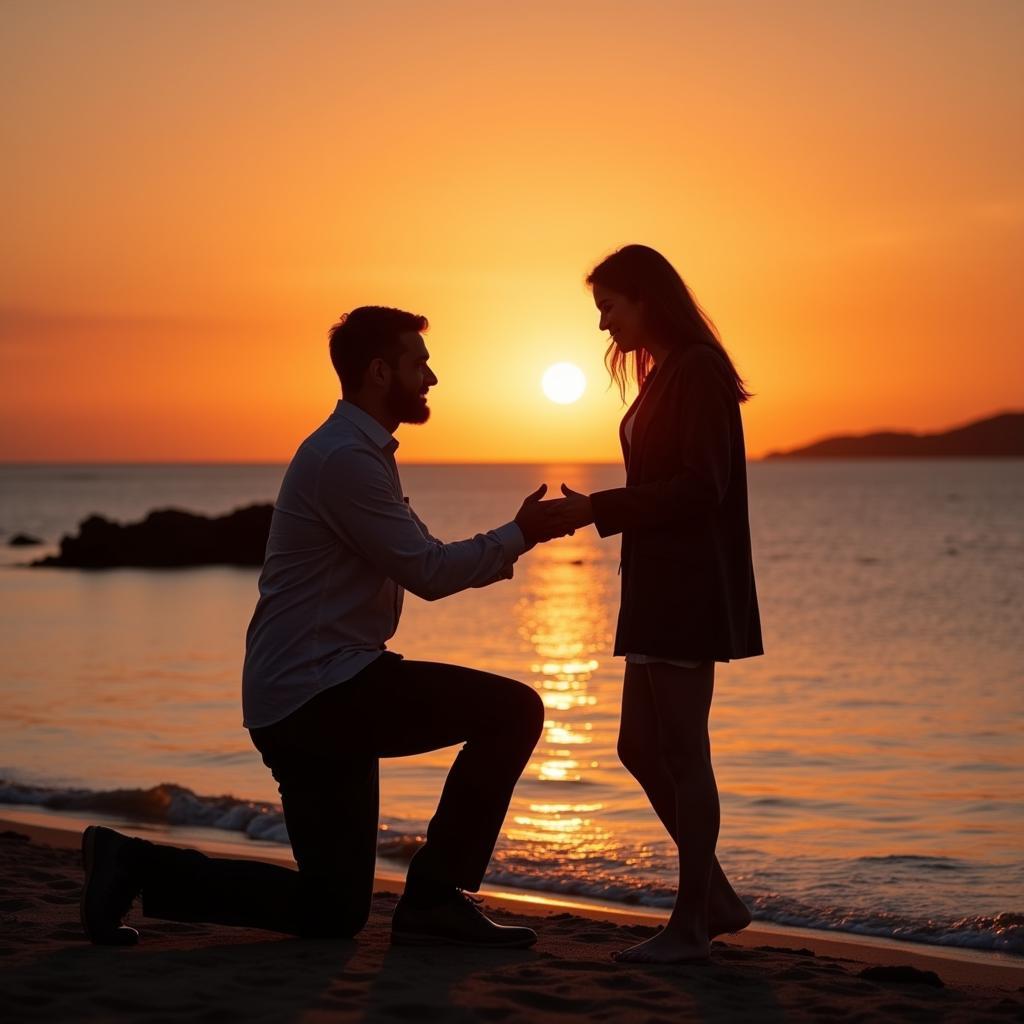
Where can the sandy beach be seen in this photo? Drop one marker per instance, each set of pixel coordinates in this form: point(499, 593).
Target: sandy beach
point(184, 972)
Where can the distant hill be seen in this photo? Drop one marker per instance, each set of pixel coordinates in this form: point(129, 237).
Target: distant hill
point(996, 437)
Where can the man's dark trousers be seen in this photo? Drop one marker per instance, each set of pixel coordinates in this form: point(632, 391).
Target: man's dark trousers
point(324, 757)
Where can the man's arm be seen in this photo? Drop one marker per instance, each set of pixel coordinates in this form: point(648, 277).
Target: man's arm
point(504, 573)
point(356, 496)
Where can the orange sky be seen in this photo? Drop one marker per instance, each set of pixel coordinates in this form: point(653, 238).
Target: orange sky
point(192, 192)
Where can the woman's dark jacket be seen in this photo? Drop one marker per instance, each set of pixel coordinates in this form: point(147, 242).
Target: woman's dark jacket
point(687, 573)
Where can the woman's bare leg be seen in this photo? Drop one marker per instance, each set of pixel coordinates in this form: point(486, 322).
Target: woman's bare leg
point(682, 703)
point(638, 750)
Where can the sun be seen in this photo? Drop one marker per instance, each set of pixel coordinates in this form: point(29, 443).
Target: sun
point(563, 383)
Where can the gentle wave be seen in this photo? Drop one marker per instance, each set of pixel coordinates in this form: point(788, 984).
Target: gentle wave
point(919, 861)
point(167, 804)
point(604, 879)
point(1003, 933)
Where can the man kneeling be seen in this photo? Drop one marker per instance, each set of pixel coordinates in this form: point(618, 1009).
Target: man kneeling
point(324, 700)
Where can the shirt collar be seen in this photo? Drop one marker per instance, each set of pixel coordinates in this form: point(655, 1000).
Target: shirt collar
point(378, 434)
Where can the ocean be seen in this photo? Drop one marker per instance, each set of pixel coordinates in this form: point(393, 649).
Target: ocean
point(870, 764)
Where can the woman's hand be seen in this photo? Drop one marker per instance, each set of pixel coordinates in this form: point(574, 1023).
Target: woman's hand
point(542, 521)
point(576, 507)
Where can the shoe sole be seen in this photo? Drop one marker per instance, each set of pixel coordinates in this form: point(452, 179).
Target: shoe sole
point(88, 859)
point(122, 936)
point(420, 939)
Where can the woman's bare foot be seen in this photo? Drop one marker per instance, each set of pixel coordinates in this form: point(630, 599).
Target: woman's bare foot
point(728, 917)
point(666, 947)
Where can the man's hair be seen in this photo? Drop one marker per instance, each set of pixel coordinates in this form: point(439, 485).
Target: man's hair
point(368, 333)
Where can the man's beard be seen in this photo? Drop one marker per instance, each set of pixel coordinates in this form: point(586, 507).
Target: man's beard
point(407, 406)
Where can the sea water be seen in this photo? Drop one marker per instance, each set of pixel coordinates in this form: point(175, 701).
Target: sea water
point(869, 764)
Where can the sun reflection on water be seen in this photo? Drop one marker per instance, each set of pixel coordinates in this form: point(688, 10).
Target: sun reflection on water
point(564, 831)
point(564, 616)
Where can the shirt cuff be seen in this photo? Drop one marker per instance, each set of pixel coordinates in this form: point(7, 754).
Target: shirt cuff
point(512, 539)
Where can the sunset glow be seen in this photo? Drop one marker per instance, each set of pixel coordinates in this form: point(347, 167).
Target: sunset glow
point(563, 383)
point(193, 193)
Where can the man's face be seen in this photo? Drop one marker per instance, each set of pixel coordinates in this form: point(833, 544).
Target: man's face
point(411, 379)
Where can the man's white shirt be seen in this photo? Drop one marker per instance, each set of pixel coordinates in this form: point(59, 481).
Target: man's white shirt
point(344, 545)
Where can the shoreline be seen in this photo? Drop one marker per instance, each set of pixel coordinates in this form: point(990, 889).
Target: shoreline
point(187, 971)
point(955, 965)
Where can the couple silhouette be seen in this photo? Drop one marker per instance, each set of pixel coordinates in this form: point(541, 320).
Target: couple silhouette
point(324, 699)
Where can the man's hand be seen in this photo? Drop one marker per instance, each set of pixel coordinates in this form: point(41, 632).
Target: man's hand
point(575, 508)
point(542, 520)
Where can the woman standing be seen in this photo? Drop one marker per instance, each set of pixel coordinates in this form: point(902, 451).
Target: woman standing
point(688, 595)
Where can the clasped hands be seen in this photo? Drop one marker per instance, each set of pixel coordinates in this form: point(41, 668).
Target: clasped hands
point(558, 517)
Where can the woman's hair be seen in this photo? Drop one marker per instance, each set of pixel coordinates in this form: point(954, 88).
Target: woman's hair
point(643, 275)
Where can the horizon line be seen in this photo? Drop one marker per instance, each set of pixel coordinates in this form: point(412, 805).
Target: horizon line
point(285, 462)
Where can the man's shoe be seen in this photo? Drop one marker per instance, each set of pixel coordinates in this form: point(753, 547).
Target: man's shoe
point(457, 921)
point(113, 878)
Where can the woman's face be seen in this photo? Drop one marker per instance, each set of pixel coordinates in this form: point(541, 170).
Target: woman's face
point(621, 317)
